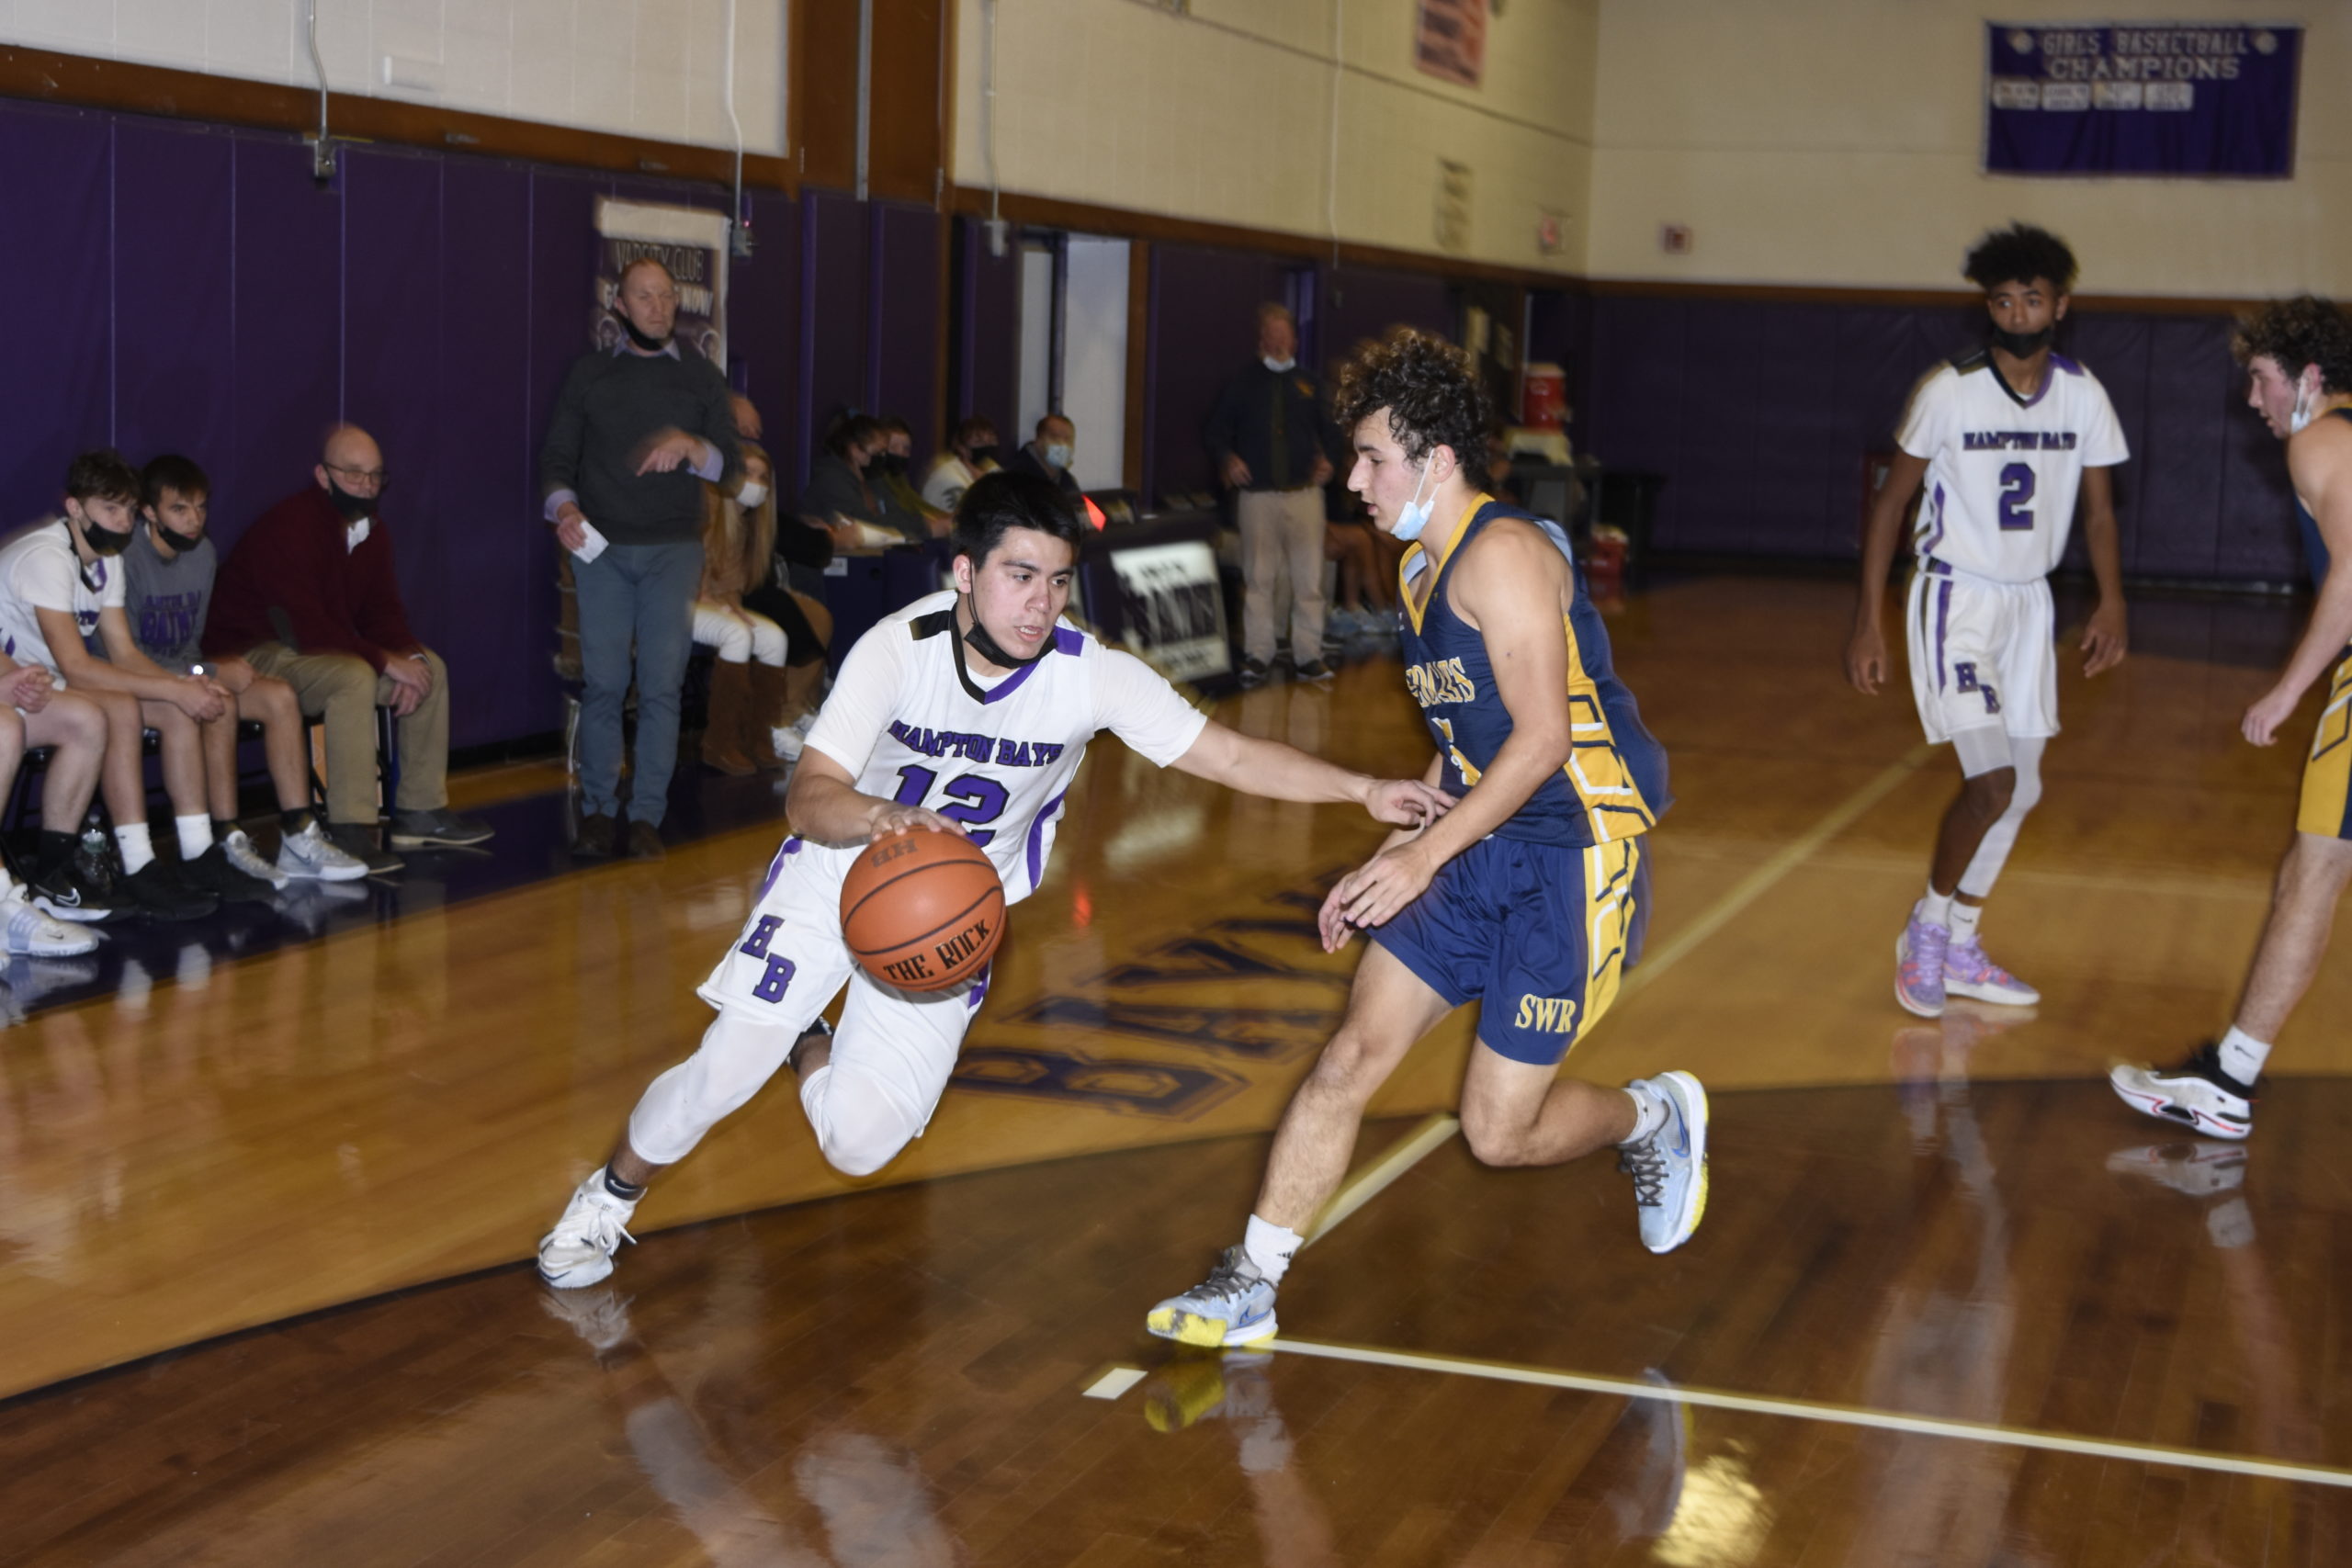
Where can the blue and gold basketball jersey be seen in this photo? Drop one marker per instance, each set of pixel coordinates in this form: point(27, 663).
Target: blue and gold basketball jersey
point(2314, 547)
point(1613, 785)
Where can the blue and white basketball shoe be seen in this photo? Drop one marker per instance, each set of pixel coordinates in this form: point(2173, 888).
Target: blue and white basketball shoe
point(1235, 1306)
point(1670, 1166)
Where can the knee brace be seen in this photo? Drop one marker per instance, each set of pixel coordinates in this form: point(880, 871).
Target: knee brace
point(736, 1059)
point(859, 1125)
point(1993, 853)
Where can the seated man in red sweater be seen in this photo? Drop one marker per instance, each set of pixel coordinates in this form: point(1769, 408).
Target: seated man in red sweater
point(309, 595)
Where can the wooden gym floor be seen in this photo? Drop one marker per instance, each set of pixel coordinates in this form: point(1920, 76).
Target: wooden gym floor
point(261, 1226)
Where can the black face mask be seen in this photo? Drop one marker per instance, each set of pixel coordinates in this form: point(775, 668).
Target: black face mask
point(2023, 345)
point(988, 648)
point(649, 344)
point(983, 456)
point(891, 463)
point(104, 541)
point(179, 543)
point(353, 507)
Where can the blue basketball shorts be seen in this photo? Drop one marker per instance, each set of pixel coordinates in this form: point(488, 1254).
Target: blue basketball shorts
point(1539, 935)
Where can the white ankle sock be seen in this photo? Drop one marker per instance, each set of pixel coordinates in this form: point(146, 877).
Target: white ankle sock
point(137, 852)
point(195, 834)
point(1935, 909)
point(2243, 1055)
point(1962, 924)
point(1269, 1248)
point(1649, 1112)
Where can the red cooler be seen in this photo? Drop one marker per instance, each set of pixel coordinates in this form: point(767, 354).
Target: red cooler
point(1545, 400)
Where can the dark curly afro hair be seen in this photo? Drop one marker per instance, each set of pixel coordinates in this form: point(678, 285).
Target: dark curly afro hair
point(2300, 332)
point(1426, 384)
point(2020, 254)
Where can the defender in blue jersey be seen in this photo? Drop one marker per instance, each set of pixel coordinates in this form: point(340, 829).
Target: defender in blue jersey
point(1525, 897)
point(2297, 358)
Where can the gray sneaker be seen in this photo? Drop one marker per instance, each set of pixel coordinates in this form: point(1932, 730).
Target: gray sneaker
point(242, 854)
point(1670, 1166)
point(311, 856)
point(438, 829)
point(1235, 1306)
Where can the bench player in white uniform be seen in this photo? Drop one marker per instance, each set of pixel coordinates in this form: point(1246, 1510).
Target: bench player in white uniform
point(969, 711)
point(2004, 440)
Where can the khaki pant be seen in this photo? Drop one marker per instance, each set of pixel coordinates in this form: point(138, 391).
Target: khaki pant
point(347, 691)
point(1281, 558)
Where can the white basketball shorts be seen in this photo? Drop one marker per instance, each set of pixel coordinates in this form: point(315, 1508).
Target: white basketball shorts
point(789, 962)
point(1983, 653)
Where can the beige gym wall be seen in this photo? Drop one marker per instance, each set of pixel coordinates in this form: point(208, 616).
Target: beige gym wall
point(1225, 115)
point(1837, 142)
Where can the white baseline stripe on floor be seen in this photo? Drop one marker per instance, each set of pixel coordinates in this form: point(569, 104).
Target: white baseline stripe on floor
point(1373, 1180)
point(1841, 1414)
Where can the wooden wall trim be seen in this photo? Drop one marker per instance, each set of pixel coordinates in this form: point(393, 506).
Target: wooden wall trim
point(1138, 360)
point(84, 81)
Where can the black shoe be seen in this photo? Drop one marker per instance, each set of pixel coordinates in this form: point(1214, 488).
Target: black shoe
point(73, 886)
point(645, 841)
point(211, 873)
point(161, 895)
point(1314, 670)
point(594, 840)
point(1253, 672)
point(359, 840)
point(441, 829)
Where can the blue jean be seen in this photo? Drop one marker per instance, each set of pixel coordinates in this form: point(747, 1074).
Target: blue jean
point(640, 596)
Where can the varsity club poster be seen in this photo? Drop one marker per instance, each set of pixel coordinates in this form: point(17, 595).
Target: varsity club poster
point(691, 243)
point(2198, 100)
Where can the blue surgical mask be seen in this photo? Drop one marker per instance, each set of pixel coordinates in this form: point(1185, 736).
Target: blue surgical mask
point(1416, 516)
point(2303, 414)
point(1059, 454)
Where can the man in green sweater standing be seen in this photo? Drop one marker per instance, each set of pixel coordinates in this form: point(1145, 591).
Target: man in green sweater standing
point(637, 431)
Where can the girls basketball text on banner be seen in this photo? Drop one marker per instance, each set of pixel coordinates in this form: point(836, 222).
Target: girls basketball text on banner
point(2215, 99)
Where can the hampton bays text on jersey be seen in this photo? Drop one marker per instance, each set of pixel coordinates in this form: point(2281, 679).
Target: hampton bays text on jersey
point(1002, 752)
point(2018, 440)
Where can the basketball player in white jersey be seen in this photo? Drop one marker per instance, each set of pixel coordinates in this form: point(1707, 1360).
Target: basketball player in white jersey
point(2004, 439)
point(2298, 356)
point(967, 712)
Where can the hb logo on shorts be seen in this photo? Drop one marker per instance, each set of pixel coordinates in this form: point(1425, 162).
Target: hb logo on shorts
point(1964, 675)
point(778, 979)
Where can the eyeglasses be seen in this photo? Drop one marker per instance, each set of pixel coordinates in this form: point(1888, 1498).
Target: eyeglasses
point(376, 477)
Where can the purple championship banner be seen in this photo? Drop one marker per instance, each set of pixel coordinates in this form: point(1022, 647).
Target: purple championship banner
point(2170, 99)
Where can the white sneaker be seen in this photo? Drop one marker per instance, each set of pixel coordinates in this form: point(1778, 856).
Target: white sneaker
point(313, 856)
point(579, 1251)
point(242, 854)
point(2199, 1094)
point(32, 935)
point(791, 740)
point(1670, 1166)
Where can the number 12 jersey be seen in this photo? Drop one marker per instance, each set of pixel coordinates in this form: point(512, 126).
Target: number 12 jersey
point(2002, 471)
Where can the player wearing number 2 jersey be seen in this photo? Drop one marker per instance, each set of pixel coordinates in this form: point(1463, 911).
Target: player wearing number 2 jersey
point(2004, 440)
point(967, 712)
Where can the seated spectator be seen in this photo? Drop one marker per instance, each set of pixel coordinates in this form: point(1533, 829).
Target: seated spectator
point(840, 489)
point(309, 595)
point(60, 584)
point(168, 572)
point(747, 680)
point(970, 454)
point(1050, 455)
point(803, 546)
point(903, 507)
point(34, 711)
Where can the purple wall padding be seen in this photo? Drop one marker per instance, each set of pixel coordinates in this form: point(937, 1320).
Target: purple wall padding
point(1759, 413)
point(54, 399)
point(833, 280)
point(1360, 303)
point(904, 328)
point(987, 349)
point(763, 330)
point(1203, 329)
point(174, 322)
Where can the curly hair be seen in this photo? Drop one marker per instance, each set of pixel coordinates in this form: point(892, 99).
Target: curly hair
point(1431, 395)
point(2296, 332)
point(102, 475)
point(2020, 254)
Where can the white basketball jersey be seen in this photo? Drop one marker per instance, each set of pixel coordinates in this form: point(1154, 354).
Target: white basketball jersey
point(913, 723)
point(40, 570)
point(2002, 471)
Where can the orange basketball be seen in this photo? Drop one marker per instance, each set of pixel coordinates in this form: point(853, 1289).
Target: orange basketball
point(922, 911)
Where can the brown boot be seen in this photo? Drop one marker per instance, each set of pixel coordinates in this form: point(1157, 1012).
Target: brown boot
point(762, 715)
point(731, 694)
